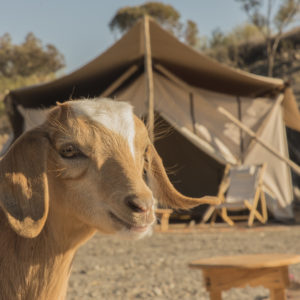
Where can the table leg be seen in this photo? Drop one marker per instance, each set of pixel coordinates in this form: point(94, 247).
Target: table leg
point(277, 294)
point(215, 295)
point(165, 222)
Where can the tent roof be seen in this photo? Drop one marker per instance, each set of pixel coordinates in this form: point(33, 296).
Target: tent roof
point(183, 61)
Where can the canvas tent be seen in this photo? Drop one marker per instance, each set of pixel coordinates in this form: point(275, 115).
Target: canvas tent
point(188, 89)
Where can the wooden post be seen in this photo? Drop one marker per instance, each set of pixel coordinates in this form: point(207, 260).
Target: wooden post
point(239, 104)
point(215, 295)
point(116, 84)
point(192, 110)
point(277, 294)
point(234, 120)
point(175, 79)
point(149, 78)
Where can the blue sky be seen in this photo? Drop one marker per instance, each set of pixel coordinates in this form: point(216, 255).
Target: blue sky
point(79, 29)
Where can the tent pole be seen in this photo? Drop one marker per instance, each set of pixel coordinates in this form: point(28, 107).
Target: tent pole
point(174, 78)
point(149, 78)
point(192, 110)
point(245, 128)
point(239, 103)
point(119, 81)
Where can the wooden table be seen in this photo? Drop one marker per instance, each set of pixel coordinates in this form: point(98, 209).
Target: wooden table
point(164, 219)
point(226, 272)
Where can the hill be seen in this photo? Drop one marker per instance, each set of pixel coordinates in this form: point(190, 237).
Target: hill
point(287, 62)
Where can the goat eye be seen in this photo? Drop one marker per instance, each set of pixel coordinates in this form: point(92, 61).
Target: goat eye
point(145, 175)
point(69, 151)
point(145, 155)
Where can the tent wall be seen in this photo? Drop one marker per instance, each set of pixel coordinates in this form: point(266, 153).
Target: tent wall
point(193, 172)
point(277, 179)
point(214, 135)
point(209, 128)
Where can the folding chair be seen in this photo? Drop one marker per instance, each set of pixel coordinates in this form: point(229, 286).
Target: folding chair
point(240, 189)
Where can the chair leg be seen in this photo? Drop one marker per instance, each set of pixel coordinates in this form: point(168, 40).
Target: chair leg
point(253, 209)
point(208, 214)
point(225, 217)
point(214, 217)
point(251, 217)
point(253, 213)
point(264, 207)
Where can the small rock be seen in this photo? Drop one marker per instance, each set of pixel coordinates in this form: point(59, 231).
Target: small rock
point(157, 291)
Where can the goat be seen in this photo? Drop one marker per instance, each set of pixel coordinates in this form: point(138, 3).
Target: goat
point(83, 170)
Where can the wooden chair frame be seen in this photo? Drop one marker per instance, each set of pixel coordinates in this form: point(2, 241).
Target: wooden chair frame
point(222, 209)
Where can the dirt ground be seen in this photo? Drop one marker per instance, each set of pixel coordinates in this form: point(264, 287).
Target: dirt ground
point(156, 267)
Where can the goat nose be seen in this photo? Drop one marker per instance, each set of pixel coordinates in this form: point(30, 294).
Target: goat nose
point(137, 204)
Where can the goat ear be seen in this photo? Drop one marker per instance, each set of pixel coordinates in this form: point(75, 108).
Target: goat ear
point(23, 184)
point(163, 189)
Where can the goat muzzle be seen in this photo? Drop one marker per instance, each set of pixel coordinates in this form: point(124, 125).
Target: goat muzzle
point(138, 204)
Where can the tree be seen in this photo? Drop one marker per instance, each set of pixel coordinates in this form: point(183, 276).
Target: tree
point(27, 63)
point(28, 58)
point(191, 33)
point(5, 54)
point(219, 47)
point(166, 15)
point(271, 25)
point(232, 48)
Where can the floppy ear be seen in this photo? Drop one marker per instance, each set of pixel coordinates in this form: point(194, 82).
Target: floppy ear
point(163, 189)
point(24, 185)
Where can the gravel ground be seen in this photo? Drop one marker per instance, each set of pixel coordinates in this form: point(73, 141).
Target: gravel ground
point(156, 267)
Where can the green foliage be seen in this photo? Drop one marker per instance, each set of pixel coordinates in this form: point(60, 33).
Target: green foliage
point(191, 33)
point(164, 14)
point(286, 13)
point(253, 10)
point(271, 24)
point(246, 32)
point(269, 21)
point(26, 64)
point(2, 108)
point(29, 58)
point(15, 82)
point(226, 48)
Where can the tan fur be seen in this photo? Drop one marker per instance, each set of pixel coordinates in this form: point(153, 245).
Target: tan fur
point(50, 205)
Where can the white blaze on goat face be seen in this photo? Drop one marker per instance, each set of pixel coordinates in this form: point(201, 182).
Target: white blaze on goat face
point(114, 115)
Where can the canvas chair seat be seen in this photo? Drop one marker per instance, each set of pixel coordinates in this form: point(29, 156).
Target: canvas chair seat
point(232, 206)
point(240, 189)
point(243, 183)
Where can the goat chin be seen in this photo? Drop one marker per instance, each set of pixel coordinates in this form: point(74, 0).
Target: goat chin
point(129, 234)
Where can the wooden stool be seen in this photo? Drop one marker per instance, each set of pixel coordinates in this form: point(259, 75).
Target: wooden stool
point(269, 270)
point(164, 219)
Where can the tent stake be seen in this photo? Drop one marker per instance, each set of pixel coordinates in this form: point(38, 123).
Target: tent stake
point(149, 78)
point(234, 120)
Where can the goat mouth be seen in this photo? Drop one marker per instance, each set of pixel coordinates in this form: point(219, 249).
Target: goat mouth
point(129, 226)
